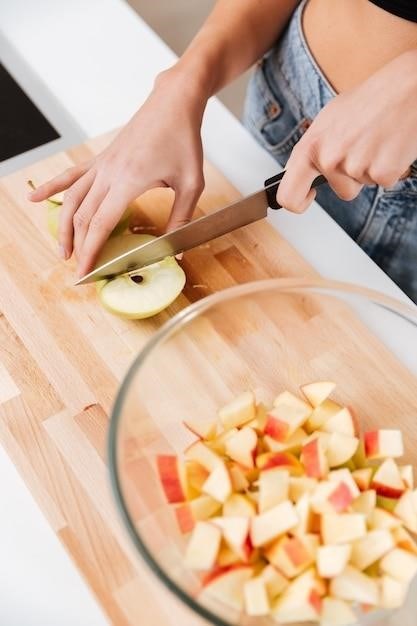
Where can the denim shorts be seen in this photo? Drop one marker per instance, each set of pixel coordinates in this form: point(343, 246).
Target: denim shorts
point(285, 93)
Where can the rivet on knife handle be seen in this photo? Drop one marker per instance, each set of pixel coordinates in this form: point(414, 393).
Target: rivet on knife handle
point(272, 184)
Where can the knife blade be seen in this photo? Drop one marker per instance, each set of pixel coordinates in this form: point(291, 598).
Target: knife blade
point(198, 231)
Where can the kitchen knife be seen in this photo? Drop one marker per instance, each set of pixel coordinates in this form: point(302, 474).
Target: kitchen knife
point(196, 232)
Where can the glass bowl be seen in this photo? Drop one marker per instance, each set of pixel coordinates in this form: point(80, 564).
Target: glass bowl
point(266, 336)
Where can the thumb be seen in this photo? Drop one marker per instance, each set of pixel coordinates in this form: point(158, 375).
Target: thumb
point(184, 205)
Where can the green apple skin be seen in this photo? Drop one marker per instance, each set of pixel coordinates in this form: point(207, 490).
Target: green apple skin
point(54, 209)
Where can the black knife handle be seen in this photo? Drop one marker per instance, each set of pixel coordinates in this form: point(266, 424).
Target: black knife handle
point(272, 185)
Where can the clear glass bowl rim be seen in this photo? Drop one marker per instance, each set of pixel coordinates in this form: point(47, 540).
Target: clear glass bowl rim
point(284, 285)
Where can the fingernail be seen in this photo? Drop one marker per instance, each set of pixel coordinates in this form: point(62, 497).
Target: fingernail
point(179, 256)
point(62, 252)
point(30, 195)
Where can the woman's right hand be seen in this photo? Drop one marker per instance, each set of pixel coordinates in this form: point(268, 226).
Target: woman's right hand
point(159, 147)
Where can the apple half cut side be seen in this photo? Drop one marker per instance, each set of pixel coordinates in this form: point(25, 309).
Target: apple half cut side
point(142, 293)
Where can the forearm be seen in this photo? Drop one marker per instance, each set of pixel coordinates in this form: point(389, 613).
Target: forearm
point(235, 34)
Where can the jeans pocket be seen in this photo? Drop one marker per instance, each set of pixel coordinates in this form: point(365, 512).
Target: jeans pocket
point(271, 112)
point(407, 185)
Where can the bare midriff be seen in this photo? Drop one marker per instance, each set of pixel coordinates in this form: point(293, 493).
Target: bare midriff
point(352, 39)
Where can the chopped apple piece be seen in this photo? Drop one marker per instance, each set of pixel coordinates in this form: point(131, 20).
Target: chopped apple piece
point(196, 475)
point(341, 449)
point(299, 485)
point(242, 447)
point(203, 546)
point(355, 586)
point(238, 477)
point(235, 531)
point(345, 476)
point(273, 523)
point(365, 503)
point(407, 474)
point(289, 399)
point(387, 480)
point(285, 419)
point(342, 423)
point(239, 506)
point(371, 548)
point(331, 497)
point(300, 602)
point(226, 585)
point(203, 430)
point(321, 414)
point(218, 485)
point(317, 392)
point(292, 555)
point(239, 411)
point(275, 582)
point(400, 564)
point(256, 597)
point(332, 560)
point(406, 510)
point(273, 488)
point(336, 612)
point(227, 556)
point(259, 421)
point(283, 460)
point(293, 444)
point(305, 516)
point(199, 509)
point(314, 459)
point(382, 444)
point(344, 528)
point(393, 592)
point(218, 444)
point(404, 540)
point(379, 518)
point(363, 477)
point(201, 453)
point(173, 478)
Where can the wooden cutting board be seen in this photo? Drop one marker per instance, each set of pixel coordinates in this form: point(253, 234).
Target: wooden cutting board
point(62, 358)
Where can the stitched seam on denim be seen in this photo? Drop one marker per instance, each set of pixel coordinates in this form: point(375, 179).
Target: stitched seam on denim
point(392, 245)
point(360, 239)
point(307, 51)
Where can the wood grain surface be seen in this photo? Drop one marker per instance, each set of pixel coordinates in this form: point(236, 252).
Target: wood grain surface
point(62, 358)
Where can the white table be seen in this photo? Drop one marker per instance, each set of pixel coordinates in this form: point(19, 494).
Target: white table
point(97, 60)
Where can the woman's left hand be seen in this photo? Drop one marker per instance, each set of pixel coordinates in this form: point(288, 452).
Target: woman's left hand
point(365, 136)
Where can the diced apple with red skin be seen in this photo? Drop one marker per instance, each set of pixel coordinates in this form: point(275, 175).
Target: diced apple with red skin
point(275, 581)
point(344, 528)
point(406, 511)
point(299, 485)
point(284, 420)
point(203, 546)
point(238, 477)
point(203, 430)
point(173, 478)
point(256, 597)
point(239, 505)
point(283, 460)
point(363, 477)
point(239, 411)
point(392, 592)
point(201, 453)
point(342, 423)
point(365, 503)
point(400, 564)
point(321, 414)
point(242, 447)
point(226, 585)
point(269, 525)
point(235, 531)
point(314, 459)
point(293, 444)
point(407, 474)
point(196, 475)
point(300, 602)
point(292, 555)
point(199, 509)
point(379, 518)
point(218, 485)
point(387, 480)
point(317, 392)
point(384, 443)
point(344, 475)
point(336, 612)
point(371, 548)
point(273, 488)
point(332, 560)
point(341, 448)
point(331, 497)
point(355, 586)
point(404, 540)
